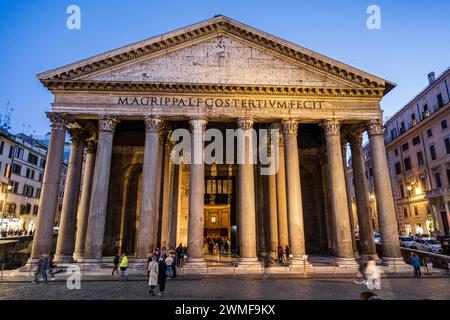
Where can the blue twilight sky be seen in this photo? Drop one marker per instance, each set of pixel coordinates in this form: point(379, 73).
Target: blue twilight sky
point(414, 39)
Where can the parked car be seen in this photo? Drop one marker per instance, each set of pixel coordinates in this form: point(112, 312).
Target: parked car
point(427, 244)
point(406, 241)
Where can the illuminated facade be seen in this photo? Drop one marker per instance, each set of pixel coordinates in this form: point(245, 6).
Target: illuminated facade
point(122, 106)
point(418, 147)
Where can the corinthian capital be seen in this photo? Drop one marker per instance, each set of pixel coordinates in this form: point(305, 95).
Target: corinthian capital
point(331, 128)
point(356, 139)
point(290, 127)
point(375, 127)
point(197, 126)
point(77, 135)
point(58, 120)
point(245, 124)
point(91, 146)
point(107, 124)
point(153, 125)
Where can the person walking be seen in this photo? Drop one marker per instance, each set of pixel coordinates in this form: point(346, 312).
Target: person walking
point(226, 246)
point(162, 277)
point(153, 270)
point(287, 251)
point(173, 255)
point(123, 267)
point(169, 264)
point(42, 269)
point(52, 270)
point(415, 261)
point(179, 253)
point(280, 254)
point(116, 264)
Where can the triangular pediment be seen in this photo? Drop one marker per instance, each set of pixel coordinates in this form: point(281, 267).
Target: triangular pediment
point(220, 60)
point(216, 51)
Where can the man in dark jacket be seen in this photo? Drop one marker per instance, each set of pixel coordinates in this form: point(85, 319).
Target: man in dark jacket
point(116, 264)
point(162, 276)
point(180, 253)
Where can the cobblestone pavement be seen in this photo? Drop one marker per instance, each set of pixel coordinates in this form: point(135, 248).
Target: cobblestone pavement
point(226, 289)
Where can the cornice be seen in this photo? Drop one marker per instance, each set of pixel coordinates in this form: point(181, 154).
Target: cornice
point(195, 88)
point(206, 29)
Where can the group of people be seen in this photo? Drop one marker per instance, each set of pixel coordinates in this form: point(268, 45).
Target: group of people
point(15, 233)
point(283, 254)
point(161, 265)
point(222, 244)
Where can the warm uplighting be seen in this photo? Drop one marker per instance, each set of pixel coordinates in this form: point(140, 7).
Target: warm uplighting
point(418, 191)
point(409, 188)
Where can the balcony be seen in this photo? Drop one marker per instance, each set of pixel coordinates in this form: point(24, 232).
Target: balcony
point(435, 193)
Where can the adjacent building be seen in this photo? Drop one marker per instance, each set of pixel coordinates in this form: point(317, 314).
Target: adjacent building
point(22, 163)
point(417, 142)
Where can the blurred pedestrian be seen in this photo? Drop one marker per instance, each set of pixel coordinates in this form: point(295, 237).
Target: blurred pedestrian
point(116, 262)
point(179, 253)
point(162, 277)
point(123, 268)
point(280, 253)
point(415, 261)
point(42, 269)
point(153, 270)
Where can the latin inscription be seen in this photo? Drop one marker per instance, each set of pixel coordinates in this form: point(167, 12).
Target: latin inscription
point(220, 103)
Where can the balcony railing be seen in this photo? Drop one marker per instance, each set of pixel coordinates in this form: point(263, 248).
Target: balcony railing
point(438, 192)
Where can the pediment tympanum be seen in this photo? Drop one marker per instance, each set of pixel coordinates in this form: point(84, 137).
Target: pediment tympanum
point(221, 60)
point(218, 51)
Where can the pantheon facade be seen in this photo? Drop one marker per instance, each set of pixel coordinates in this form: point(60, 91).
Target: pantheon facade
point(125, 194)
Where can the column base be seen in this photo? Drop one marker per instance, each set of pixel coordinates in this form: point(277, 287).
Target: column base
point(138, 263)
point(195, 266)
point(77, 257)
point(195, 263)
point(29, 265)
point(369, 256)
point(393, 262)
point(346, 262)
point(91, 264)
point(249, 264)
point(63, 259)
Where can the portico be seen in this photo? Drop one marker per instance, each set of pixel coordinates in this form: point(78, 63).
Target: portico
point(121, 109)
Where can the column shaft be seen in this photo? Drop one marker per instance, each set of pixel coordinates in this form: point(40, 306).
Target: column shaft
point(273, 213)
point(43, 237)
point(148, 218)
point(100, 187)
point(338, 194)
point(167, 181)
point(383, 193)
point(294, 192)
point(66, 235)
point(283, 233)
point(83, 208)
point(367, 241)
point(247, 211)
point(196, 222)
